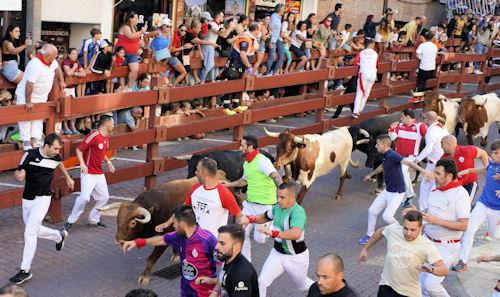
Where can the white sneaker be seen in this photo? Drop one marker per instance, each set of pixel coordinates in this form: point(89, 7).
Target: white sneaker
point(477, 71)
point(340, 87)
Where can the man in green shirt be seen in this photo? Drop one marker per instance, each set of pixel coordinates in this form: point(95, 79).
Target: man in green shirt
point(290, 253)
point(261, 178)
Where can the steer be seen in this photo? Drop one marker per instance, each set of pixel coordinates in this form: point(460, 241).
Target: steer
point(138, 219)
point(446, 108)
point(312, 155)
point(477, 114)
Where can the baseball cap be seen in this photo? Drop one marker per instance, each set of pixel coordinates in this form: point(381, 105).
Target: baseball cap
point(206, 15)
point(166, 22)
point(104, 43)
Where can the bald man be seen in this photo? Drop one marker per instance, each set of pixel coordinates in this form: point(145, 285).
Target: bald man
point(330, 278)
point(464, 157)
point(34, 88)
point(432, 151)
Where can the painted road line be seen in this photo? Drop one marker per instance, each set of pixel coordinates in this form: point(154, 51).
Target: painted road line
point(216, 140)
point(274, 125)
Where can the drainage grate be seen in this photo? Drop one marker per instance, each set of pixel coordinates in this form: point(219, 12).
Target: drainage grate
point(170, 272)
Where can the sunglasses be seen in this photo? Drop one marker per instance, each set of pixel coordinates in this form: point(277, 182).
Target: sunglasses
point(182, 30)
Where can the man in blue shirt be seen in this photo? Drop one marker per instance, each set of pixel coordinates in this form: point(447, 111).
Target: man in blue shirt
point(393, 194)
point(487, 207)
point(276, 44)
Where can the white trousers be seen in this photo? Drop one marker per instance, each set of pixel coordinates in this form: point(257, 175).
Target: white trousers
point(253, 209)
point(34, 212)
point(425, 188)
point(388, 200)
point(91, 185)
point(432, 284)
point(30, 129)
point(479, 214)
point(294, 265)
point(360, 99)
point(408, 182)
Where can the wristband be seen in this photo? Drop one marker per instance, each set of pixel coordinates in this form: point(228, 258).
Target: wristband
point(275, 234)
point(140, 243)
point(251, 219)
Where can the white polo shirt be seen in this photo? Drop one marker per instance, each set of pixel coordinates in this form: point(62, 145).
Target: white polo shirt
point(42, 77)
point(427, 52)
point(433, 150)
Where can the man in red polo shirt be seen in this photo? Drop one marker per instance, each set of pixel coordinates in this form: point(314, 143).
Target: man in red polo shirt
point(91, 153)
point(464, 156)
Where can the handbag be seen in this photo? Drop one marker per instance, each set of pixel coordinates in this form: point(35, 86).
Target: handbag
point(162, 54)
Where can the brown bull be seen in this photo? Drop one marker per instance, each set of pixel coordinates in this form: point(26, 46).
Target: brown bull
point(477, 114)
point(446, 108)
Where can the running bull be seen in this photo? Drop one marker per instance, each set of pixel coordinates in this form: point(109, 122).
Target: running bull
point(312, 155)
point(446, 108)
point(477, 114)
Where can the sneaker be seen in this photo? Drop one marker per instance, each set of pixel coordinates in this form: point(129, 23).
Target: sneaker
point(414, 100)
point(459, 267)
point(21, 277)
point(99, 225)
point(355, 115)
point(228, 111)
point(364, 240)
point(64, 235)
point(340, 87)
point(241, 108)
point(477, 71)
point(67, 132)
point(67, 226)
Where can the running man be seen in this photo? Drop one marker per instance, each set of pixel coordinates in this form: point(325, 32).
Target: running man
point(37, 168)
point(91, 153)
point(290, 253)
point(391, 197)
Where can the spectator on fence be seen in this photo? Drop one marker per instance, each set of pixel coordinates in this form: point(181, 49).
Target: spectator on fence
point(129, 38)
point(131, 117)
point(276, 45)
point(11, 48)
point(320, 38)
point(411, 31)
point(287, 27)
point(118, 59)
point(13, 291)
point(101, 63)
point(8, 133)
point(182, 48)
point(330, 278)
point(426, 53)
point(484, 41)
point(357, 43)
point(370, 27)
point(264, 41)
point(242, 26)
point(89, 48)
point(298, 37)
point(367, 60)
point(72, 68)
point(385, 29)
point(34, 88)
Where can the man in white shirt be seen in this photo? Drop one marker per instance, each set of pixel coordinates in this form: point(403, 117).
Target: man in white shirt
point(367, 60)
point(35, 88)
point(446, 218)
point(432, 151)
point(426, 53)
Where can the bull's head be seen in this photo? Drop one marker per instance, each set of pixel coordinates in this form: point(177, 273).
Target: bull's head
point(288, 146)
point(359, 136)
point(131, 220)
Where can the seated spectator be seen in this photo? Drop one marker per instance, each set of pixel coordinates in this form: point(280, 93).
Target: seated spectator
point(213, 103)
point(312, 26)
point(101, 64)
point(143, 83)
point(11, 48)
point(72, 68)
point(357, 43)
point(84, 125)
point(287, 27)
point(131, 117)
point(345, 35)
point(7, 132)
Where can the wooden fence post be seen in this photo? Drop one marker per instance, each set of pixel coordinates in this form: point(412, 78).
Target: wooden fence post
point(152, 148)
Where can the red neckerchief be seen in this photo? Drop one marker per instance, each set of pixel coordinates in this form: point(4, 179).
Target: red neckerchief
point(250, 156)
point(215, 21)
point(326, 26)
point(40, 57)
point(453, 184)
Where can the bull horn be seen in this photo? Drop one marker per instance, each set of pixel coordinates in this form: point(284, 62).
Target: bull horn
point(300, 140)
point(458, 100)
point(272, 134)
point(362, 141)
point(364, 133)
point(417, 94)
point(145, 213)
point(111, 206)
point(443, 97)
point(184, 157)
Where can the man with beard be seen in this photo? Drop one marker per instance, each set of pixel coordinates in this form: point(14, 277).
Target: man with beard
point(196, 248)
point(238, 277)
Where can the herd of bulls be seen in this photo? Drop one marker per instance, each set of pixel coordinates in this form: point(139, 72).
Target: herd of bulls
point(303, 158)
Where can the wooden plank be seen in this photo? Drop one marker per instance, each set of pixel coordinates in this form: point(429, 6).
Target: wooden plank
point(176, 94)
point(265, 113)
point(292, 79)
point(11, 198)
point(10, 160)
point(457, 57)
point(16, 113)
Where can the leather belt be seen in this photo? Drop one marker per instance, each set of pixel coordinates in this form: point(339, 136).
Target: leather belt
point(443, 241)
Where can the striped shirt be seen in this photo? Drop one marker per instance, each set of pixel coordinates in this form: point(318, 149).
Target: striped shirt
point(39, 173)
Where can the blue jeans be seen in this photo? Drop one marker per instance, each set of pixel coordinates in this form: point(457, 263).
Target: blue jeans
point(208, 62)
point(480, 49)
point(277, 47)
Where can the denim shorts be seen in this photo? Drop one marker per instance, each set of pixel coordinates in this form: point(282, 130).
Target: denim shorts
point(10, 70)
point(130, 58)
point(173, 61)
point(262, 47)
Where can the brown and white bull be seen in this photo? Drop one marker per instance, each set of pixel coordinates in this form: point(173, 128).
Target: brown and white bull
point(138, 218)
point(446, 108)
point(477, 114)
point(312, 155)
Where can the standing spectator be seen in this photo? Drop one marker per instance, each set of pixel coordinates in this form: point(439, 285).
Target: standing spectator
point(370, 27)
point(101, 63)
point(276, 45)
point(385, 29)
point(408, 134)
point(34, 88)
point(264, 40)
point(298, 37)
point(131, 117)
point(400, 275)
point(330, 278)
point(411, 31)
point(89, 48)
point(391, 197)
point(181, 49)
point(262, 180)
point(487, 207)
point(37, 168)
point(91, 153)
point(336, 16)
point(367, 60)
point(432, 152)
point(484, 40)
point(290, 253)
point(320, 38)
point(129, 38)
point(426, 53)
point(287, 27)
point(118, 60)
point(196, 248)
point(11, 48)
point(237, 277)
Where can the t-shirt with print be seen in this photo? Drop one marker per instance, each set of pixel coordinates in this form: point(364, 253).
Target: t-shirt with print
point(212, 206)
point(285, 219)
point(197, 255)
point(489, 196)
point(39, 173)
point(393, 175)
point(346, 291)
point(94, 147)
point(42, 77)
point(401, 259)
point(464, 158)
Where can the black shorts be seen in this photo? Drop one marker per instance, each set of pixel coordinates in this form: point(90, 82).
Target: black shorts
point(299, 53)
